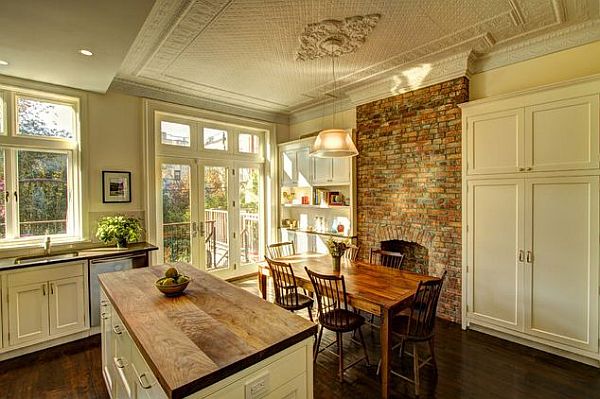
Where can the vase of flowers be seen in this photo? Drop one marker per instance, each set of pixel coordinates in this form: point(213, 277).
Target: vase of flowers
point(337, 249)
point(119, 230)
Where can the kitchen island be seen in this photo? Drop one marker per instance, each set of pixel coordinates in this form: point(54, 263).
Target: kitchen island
point(213, 341)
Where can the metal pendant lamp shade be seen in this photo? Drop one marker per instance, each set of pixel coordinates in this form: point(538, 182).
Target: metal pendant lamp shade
point(333, 143)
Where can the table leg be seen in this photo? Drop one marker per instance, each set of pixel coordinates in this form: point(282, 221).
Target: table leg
point(262, 284)
point(386, 351)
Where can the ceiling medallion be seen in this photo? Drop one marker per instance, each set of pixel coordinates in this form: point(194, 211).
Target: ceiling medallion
point(323, 38)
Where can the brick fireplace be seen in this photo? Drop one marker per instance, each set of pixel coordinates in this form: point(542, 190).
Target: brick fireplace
point(409, 180)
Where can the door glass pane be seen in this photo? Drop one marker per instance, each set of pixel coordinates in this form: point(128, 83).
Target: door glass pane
point(172, 133)
point(215, 139)
point(216, 217)
point(176, 213)
point(2, 197)
point(42, 193)
point(44, 118)
point(249, 143)
point(249, 214)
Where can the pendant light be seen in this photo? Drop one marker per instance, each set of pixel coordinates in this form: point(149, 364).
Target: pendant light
point(333, 142)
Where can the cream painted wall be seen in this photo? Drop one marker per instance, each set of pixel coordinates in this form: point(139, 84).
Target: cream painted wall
point(345, 120)
point(114, 143)
point(564, 65)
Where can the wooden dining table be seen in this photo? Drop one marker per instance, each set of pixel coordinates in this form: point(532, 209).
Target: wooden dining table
point(375, 289)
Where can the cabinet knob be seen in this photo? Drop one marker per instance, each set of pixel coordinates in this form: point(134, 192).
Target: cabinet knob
point(521, 255)
point(119, 362)
point(528, 169)
point(117, 329)
point(521, 169)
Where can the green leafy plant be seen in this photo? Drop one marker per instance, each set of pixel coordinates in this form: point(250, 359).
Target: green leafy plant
point(119, 230)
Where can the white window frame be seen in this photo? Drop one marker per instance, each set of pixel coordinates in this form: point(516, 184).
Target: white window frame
point(11, 141)
point(154, 150)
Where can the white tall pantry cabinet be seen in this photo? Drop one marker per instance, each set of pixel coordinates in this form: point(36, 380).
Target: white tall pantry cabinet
point(531, 202)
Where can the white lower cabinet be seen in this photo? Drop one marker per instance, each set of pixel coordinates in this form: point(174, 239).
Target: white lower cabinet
point(66, 311)
point(45, 303)
point(28, 313)
point(532, 256)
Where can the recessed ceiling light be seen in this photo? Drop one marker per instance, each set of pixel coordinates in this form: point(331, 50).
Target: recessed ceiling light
point(85, 52)
point(3, 63)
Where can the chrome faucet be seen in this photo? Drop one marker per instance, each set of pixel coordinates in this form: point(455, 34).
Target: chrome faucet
point(47, 246)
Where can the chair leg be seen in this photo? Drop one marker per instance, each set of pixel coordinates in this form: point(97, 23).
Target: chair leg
point(416, 367)
point(317, 344)
point(432, 353)
point(341, 356)
point(310, 313)
point(364, 345)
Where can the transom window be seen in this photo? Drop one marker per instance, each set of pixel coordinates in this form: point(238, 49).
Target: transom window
point(181, 135)
point(39, 166)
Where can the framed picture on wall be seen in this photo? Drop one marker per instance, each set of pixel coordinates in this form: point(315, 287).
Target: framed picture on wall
point(116, 186)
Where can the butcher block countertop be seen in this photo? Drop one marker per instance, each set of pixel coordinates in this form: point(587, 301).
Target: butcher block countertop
point(210, 332)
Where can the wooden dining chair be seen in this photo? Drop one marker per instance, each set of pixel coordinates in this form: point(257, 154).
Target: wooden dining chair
point(281, 249)
point(418, 326)
point(386, 258)
point(335, 316)
point(351, 252)
point(286, 289)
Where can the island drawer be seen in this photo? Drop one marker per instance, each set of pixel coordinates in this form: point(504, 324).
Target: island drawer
point(282, 373)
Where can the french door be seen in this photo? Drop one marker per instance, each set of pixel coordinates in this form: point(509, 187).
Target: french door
point(210, 214)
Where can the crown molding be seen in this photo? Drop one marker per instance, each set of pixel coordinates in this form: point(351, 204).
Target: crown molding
point(551, 42)
point(409, 77)
point(164, 94)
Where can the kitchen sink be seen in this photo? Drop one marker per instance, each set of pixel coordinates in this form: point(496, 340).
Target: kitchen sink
point(45, 258)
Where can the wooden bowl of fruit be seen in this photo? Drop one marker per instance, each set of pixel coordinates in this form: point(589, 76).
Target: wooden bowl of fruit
point(173, 283)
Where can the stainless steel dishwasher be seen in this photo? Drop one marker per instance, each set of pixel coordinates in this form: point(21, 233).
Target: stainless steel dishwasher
point(108, 265)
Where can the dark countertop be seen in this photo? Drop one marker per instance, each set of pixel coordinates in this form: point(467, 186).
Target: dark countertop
point(212, 331)
point(72, 255)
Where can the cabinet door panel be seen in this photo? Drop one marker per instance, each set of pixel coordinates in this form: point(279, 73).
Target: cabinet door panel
point(321, 170)
point(495, 142)
point(28, 313)
point(562, 280)
point(563, 135)
point(67, 310)
point(495, 237)
point(289, 168)
point(303, 165)
point(340, 172)
point(106, 331)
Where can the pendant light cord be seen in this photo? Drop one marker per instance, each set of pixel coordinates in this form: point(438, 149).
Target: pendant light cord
point(334, 85)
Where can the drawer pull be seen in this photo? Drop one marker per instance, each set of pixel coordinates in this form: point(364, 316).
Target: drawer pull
point(145, 385)
point(117, 330)
point(120, 362)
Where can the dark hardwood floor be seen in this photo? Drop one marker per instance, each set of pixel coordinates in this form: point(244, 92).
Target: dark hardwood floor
point(470, 365)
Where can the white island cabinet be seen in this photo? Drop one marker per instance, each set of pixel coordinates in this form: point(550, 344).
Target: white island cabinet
point(192, 346)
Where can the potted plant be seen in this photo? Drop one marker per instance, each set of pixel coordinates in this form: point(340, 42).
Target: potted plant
point(337, 249)
point(119, 230)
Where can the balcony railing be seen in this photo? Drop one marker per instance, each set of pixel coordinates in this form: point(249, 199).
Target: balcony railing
point(177, 239)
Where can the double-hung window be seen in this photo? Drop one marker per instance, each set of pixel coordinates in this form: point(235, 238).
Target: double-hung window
point(39, 166)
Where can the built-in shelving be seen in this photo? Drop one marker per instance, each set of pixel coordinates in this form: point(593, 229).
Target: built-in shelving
point(316, 195)
point(316, 206)
point(321, 233)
